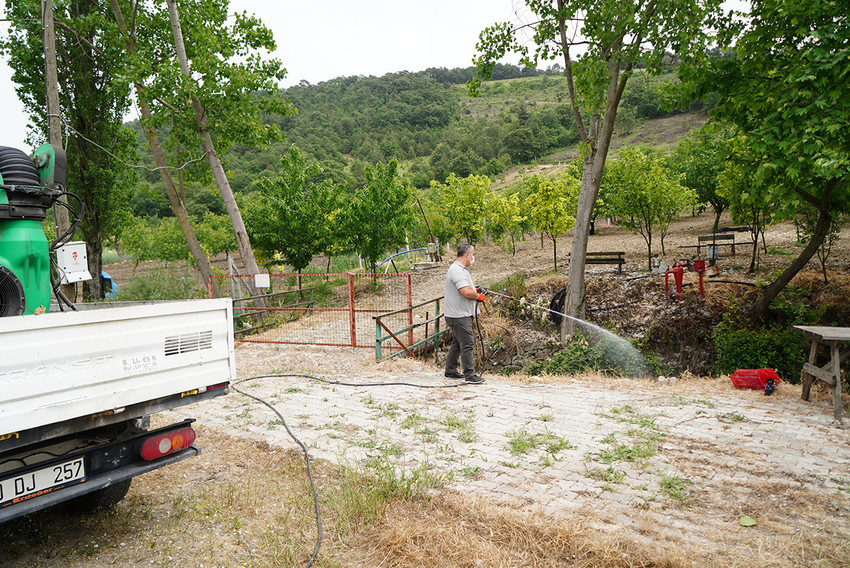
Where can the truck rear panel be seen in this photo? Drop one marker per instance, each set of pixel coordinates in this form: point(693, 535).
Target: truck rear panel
point(58, 367)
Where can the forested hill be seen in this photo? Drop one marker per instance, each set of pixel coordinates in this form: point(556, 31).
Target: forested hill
point(425, 120)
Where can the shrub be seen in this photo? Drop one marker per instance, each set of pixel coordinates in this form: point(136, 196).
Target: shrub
point(772, 346)
point(604, 355)
point(160, 284)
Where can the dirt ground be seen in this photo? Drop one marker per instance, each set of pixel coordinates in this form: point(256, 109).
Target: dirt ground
point(721, 455)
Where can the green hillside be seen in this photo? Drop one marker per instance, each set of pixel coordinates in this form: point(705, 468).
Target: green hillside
point(425, 120)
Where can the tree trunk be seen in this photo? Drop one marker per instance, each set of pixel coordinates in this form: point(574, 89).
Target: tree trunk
point(771, 291)
point(649, 251)
point(755, 252)
point(94, 250)
point(62, 221)
point(717, 212)
point(596, 152)
point(177, 204)
point(555, 251)
point(244, 245)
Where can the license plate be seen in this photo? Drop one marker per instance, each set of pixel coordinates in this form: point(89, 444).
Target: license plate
point(45, 480)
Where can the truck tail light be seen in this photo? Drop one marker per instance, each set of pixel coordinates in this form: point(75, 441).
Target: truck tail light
point(168, 443)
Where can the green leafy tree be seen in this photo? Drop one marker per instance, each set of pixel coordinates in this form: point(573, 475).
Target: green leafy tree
point(609, 38)
point(642, 195)
point(216, 234)
point(523, 144)
point(92, 100)
point(551, 205)
point(333, 209)
point(154, 239)
point(700, 157)
point(506, 218)
point(285, 219)
point(465, 201)
point(785, 86)
point(380, 213)
point(198, 70)
point(752, 202)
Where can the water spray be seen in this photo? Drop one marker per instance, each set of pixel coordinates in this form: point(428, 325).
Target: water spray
point(625, 347)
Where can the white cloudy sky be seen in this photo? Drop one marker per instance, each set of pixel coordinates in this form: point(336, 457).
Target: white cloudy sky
point(318, 41)
point(322, 40)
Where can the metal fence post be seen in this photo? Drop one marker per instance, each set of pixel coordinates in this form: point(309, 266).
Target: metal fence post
point(436, 328)
point(409, 311)
point(351, 319)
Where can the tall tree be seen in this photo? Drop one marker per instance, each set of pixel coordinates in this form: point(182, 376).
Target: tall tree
point(786, 87)
point(208, 51)
point(137, 62)
point(92, 102)
point(551, 205)
point(465, 199)
point(381, 212)
point(642, 195)
point(609, 38)
point(700, 157)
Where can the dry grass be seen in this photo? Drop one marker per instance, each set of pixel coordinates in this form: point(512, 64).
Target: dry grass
point(456, 531)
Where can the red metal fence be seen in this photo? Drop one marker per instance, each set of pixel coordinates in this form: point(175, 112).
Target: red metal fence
point(321, 309)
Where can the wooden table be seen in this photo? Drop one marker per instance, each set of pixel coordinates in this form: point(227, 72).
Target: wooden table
point(831, 372)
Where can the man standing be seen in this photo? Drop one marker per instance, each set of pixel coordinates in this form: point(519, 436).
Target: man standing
point(461, 299)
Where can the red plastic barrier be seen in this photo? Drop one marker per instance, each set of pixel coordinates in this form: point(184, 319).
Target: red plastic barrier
point(753, 378)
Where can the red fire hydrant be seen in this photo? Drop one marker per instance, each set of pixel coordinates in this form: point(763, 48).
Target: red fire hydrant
point(678, 273)
point(699, 267)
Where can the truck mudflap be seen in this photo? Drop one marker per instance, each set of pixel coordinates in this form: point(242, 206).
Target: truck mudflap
point(26, 490)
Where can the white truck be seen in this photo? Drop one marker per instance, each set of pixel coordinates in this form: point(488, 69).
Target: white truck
point(77, 390)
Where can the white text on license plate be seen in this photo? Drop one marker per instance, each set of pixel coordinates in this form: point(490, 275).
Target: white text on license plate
point(31, 484)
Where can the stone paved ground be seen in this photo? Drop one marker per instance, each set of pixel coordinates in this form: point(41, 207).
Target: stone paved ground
point(719, 453)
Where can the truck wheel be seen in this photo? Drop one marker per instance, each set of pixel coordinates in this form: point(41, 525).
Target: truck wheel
point(104, 498)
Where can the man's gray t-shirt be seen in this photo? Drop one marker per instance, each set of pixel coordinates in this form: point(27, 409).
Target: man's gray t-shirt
point(456, 305)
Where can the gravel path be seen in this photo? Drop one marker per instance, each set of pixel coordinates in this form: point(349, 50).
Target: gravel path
point(673, 459)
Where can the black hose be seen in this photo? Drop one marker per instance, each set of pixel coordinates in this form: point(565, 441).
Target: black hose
point(480, 335)
point(306, 459)
point(301, 444)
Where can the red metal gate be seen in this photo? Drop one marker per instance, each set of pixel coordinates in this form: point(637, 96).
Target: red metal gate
point(318, 309)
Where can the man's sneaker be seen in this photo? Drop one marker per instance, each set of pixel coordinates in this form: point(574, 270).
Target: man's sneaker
point(453, 375)
point(474, 379)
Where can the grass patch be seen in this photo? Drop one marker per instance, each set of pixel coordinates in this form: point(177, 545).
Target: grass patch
point(412, 421)
point(731, 417)
point(608, 475)
point(685, 401)
point(677, 489)
point(462, 425)
point(521, 441)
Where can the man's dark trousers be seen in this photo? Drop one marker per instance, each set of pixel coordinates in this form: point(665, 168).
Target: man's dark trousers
point(462, 345)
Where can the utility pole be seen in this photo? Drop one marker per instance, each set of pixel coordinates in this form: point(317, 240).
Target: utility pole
point(54, 123)
point(51, 84)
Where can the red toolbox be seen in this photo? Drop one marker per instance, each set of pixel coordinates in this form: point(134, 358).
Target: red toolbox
point(753, 378)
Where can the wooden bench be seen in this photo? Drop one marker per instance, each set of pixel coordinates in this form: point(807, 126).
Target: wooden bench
point(724, 239)
point(618, 258)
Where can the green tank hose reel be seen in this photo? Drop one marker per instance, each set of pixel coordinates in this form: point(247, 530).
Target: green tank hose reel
point(28, 187)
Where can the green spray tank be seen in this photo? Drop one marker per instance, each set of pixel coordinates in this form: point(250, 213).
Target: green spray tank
point(27, 189)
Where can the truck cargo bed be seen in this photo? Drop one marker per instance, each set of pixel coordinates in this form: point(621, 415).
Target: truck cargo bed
point(110, 362)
